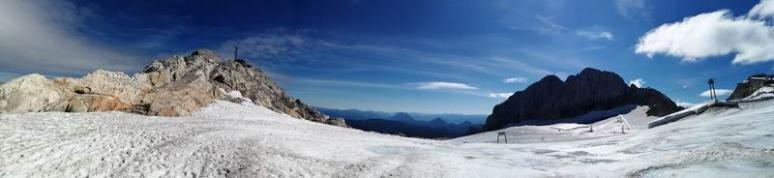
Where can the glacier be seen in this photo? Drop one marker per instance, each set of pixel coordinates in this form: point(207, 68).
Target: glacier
point(244, 140)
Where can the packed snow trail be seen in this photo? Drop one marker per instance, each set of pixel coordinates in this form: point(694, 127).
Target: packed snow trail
point(244, 140)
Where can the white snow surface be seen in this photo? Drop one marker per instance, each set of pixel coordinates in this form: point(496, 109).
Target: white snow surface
point(695, 109)
point(245, 140)
point(766, 92)
point(637, 118)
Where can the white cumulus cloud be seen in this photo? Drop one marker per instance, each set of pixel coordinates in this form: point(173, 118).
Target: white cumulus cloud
point(515, 80)
point(637, 82)
point(442, 85)
point(713, 34)
point(719, 92)
point(763, 9)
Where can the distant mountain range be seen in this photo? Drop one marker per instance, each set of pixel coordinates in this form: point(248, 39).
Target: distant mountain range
point(356, 114)
point(402, 123)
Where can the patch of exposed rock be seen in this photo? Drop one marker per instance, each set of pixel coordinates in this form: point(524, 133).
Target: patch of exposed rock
point(750, 85)
point(177, 86)
point(552, 99)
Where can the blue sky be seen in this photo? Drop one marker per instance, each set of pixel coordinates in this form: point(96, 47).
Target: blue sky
point(441, 56)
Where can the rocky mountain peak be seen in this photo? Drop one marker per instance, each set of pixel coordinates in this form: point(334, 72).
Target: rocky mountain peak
point(551, 99)
point(176, 86)
point(549, 80)
point(750, 85)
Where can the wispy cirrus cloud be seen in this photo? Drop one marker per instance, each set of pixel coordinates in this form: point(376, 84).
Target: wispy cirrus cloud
point(499, 95)
point(452, 87)
point(595, 35)
point(441, 86)
point(515, 80)
point(635, 10)
point(348, 83)
point(547, 25)
point(301, 51)
point(274, 46)
point(298, 51)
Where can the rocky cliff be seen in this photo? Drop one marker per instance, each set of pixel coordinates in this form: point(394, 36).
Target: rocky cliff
point(750, 85)
point(176, 86)
point(551, 99)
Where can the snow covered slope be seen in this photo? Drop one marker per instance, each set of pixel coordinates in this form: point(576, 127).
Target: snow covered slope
point(637, 118)
point(233, 140)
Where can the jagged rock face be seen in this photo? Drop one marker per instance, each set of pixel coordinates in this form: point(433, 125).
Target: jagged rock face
point(592, 89)
point(750, 85)
point(177, 86)
point(32, 93)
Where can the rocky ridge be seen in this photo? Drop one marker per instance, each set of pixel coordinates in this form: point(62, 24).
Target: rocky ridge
point(750, 85)
point(552, 99)
point(177, 86)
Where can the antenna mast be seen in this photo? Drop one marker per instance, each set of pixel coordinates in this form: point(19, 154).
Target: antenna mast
point(236, 51)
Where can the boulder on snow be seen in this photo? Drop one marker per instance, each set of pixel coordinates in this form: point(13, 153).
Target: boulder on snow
point(336, 122)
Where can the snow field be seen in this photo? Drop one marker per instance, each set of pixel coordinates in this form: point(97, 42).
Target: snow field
point(244, 140)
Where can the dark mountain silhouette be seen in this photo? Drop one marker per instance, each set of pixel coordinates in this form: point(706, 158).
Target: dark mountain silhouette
point(405, 118)
point(405, 124)
point(552, 100)
point(355, 114)
point(437, 122)
point(400, 128)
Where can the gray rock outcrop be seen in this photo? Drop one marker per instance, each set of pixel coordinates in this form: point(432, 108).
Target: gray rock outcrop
point(750, 85)
point(177, 86)
point(552, 99)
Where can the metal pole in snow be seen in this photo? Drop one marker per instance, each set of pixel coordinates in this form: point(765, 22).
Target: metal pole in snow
point(623, 119)
point(713, 96)
point(504, 135)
